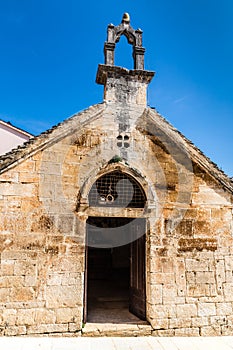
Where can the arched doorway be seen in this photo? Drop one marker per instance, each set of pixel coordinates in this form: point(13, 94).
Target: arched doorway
point(115, 248)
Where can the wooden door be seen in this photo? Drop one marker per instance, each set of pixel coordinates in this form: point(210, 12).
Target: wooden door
point(85, 286)
point(137, 295)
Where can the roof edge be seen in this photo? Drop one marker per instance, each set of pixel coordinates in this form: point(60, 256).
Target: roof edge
point(198, 156)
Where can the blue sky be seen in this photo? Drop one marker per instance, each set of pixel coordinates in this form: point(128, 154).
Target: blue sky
point(50, 50)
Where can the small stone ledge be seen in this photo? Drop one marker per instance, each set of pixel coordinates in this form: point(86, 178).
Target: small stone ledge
point(116, 330)
point(105, 71)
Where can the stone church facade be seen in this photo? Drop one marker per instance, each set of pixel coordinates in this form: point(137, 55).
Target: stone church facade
point(112, 176)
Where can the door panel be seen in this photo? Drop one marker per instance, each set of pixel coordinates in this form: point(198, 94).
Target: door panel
point(137, 297)
point(85, 286)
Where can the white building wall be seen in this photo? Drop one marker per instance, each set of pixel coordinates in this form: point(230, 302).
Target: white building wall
point(11, 137)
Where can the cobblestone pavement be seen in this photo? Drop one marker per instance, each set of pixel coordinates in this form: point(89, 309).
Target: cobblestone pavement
point(117, 343)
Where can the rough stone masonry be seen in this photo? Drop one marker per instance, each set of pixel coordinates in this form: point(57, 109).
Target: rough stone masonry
point(44, 202)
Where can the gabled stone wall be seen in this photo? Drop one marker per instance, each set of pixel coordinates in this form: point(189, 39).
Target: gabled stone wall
point(44, 208)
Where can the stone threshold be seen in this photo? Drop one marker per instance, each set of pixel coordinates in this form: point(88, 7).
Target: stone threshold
point(116, 330)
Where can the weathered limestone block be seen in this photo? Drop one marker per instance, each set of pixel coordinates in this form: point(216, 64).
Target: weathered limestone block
point(227, 330)
point(197, 290)
point(63, 296)
point(202, 228)
point(182, 322)
point(14, 330)
point(200, 321)
point(4, 295)
point(21, 190)
point(164, 333)
point(161, 278)
point(185, 228)
point(75, 328)
point(162, 311)
point(196, 265)
point(206, 309)
point(205, 277)
point(213, 292)
point(43, 315)
point(209, 195)
point(218, 320)
point(30, 281)
point(47, 328)
point(191, 277)
point(51, 168)
point(65, 224)
point(25, 267)
point(197, 244)
point(187, 332)
point(186, 311)
point(167, 265)
point(229, 276)
point(229, 263)
point(155, 263)
point(211, 331)
point(25, 304)
point(62, 264)
point(156, 294)
point(9, 317)
point(159, 323)
point(22, 293)
point(15, 281)
point(30, 243)
point(54, 279)
point(25, 317)
point(69, 315)
point(228, 291)
point(169, 293)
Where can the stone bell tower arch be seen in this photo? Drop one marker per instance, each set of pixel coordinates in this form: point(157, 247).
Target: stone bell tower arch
point(120, 84)
point(134, 38)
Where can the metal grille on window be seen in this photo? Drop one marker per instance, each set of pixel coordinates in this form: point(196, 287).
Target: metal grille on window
point(116, 189)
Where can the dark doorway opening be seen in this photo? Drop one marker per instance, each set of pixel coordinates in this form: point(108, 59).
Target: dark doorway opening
point(108, 280)
point(115, 272)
